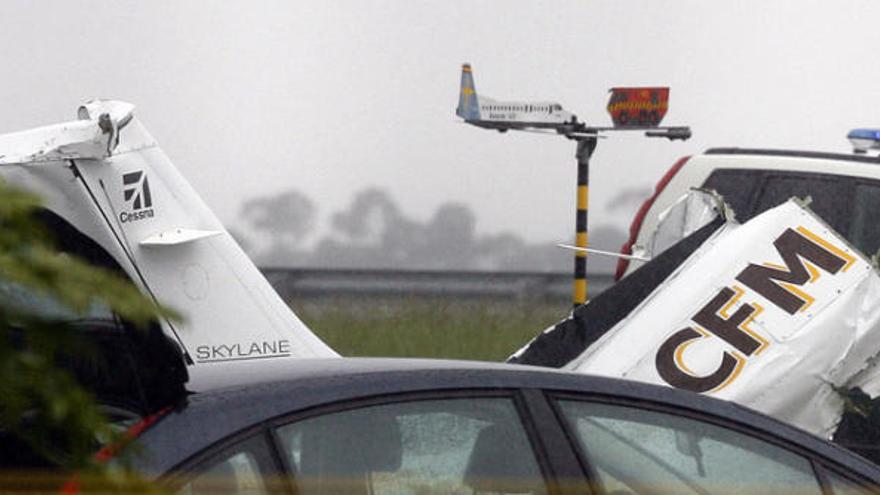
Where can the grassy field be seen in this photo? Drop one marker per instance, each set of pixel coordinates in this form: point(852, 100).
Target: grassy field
point(421, 327)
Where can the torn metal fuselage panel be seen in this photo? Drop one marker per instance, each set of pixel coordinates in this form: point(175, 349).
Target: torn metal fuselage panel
point(777, 314)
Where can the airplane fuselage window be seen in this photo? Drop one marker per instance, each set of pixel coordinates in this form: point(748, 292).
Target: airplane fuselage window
point(521, 111)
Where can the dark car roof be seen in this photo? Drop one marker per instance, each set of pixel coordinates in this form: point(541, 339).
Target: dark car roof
point(209, 416)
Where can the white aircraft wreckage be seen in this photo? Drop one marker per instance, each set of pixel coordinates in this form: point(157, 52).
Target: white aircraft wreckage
point(779, 314)
point(112, 196)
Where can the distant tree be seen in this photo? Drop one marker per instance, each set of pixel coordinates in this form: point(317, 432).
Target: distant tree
point(452, 224)
point(371, 233)
point(41, 406)
point(284, 221)
point(368, 217)
point(449, 240)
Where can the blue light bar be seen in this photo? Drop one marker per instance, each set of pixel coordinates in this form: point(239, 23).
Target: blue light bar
point(863, 140)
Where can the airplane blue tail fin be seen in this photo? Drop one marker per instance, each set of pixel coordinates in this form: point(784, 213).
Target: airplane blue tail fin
point(468, 106)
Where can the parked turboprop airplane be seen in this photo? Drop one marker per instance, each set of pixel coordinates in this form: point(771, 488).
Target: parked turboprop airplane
point(485, 112)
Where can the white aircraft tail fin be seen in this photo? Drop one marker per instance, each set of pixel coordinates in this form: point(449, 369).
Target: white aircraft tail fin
point(106, 176)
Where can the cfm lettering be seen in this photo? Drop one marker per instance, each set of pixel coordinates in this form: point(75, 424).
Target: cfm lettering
point(779, 285)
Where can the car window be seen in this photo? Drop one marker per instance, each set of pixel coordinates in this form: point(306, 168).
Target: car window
point(844, 204)
point(736, 187)
point(244, 468)
point(829, 196)
point(864, 231)
point(464, 445)
point(636, 451)
point(843, 486)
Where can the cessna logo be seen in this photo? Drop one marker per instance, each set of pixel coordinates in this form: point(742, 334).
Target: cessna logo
point(136, 191)
point(803, 253)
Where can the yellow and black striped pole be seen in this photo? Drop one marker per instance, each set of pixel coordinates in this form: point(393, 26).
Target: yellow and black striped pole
point(585, 148)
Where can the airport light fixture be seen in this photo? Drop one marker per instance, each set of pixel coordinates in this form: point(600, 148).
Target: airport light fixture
point(631, 109)
point(587, 138)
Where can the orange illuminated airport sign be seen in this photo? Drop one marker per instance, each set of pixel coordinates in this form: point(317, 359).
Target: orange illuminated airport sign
point(638, 107)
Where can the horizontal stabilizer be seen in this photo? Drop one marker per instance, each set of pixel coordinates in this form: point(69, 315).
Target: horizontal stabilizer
point(93, 137)
point(73, 141)
point(176, 237)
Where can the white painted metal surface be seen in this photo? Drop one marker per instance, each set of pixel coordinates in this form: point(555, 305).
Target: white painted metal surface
point(106, 176)
point(178, 236)
point(690, 212)
point(746, 346)
point(484, 111)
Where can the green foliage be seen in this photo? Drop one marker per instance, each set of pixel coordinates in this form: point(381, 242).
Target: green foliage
point(42, 407)
point(28, 258)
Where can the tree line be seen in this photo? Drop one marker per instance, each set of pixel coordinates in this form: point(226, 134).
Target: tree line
point(374, 232)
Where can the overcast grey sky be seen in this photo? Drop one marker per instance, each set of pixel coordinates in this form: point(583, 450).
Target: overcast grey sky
point(329, 97)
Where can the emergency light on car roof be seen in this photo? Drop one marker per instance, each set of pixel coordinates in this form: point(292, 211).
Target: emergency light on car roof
point(864, 140)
